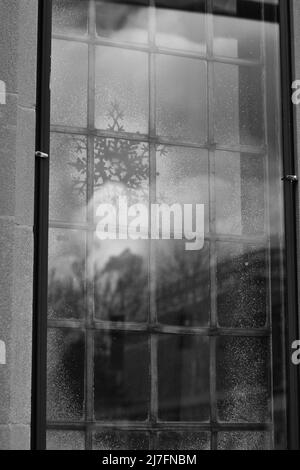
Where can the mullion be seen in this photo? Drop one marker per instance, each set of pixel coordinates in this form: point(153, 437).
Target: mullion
point(161, 329)
point(162, 426)
point(210, 237)
point(212, 218)
point(152, 199)
point(156, 140)
point(267, 217)
point(89, 360)
point(159, 50)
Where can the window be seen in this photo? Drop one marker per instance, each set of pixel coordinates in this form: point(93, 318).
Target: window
point(151, 346)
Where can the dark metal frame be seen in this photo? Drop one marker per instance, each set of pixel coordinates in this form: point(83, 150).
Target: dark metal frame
point(40, 283)
point(292, 256)
point(41, 232)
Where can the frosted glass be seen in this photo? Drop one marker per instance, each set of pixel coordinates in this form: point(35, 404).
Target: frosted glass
point(65, 440)
point(242, 280)
point(240, 198)
point(69, 71)
point(122, 84)
point(181, 106)
point(124, 165)
point(235, 35)
point(68, 178)
point(183, 440)
point(180, 28)
point(242, 379)
point(66, 274)
point(183, 284)
point(238, 105)
point(122, 22)
point(183, 378)
point(182, 176)
point(65, 384)
point(121, 376)
point(243, 441)
point(69, 16)
point(118, 440)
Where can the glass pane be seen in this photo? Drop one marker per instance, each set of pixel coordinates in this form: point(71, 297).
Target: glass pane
point(243, 441)
point(69, 75)
point(183, 284)
point(118, 440)
point(65, 385)
point(181, 28)
point(242, 293)
point(182, 177)
point(67, 276)
point(70, 17)
point(121, 280)
point(65, 440)
point(121, 379)
point(121, 168)
point(184, 440)
point(68, 177)
point(183, 378)
point(240, 193)
point(119, 21)
point(238, 105)
point(181, 106)
point(122, 97)
point(243, 379)
point(238, 28)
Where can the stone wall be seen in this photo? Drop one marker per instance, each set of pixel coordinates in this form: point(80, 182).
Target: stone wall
point(18, 45)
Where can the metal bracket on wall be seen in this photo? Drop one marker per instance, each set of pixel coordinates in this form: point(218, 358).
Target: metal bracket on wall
point(290, 178)
point(41, 154)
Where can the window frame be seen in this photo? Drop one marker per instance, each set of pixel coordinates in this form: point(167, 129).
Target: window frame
point(41, 225)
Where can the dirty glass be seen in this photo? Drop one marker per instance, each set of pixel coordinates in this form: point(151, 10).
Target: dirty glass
point(166, 242)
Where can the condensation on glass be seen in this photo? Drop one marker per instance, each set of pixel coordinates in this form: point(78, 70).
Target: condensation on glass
point(151, 346)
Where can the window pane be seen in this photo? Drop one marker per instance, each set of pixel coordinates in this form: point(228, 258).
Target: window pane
point(121, 380)
point(181, 98)
point(65, 440)
point(238, 28)
point(243, 441)
point(183, 378)
point(70, 16)
point(160, 344)
point(120, 440)
point(182, 28)
point(67, 275)
point(243, 379)
point(238, 105)
point(69, 74)
point(184, 441)
point(183, 284)
point(121, 101)
point(240, 193)
point(65, 385)
point(122, 22)
point(241, 285)
point(68, 177)
point(182, 177)
point(121, 168)
point(121, 280)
